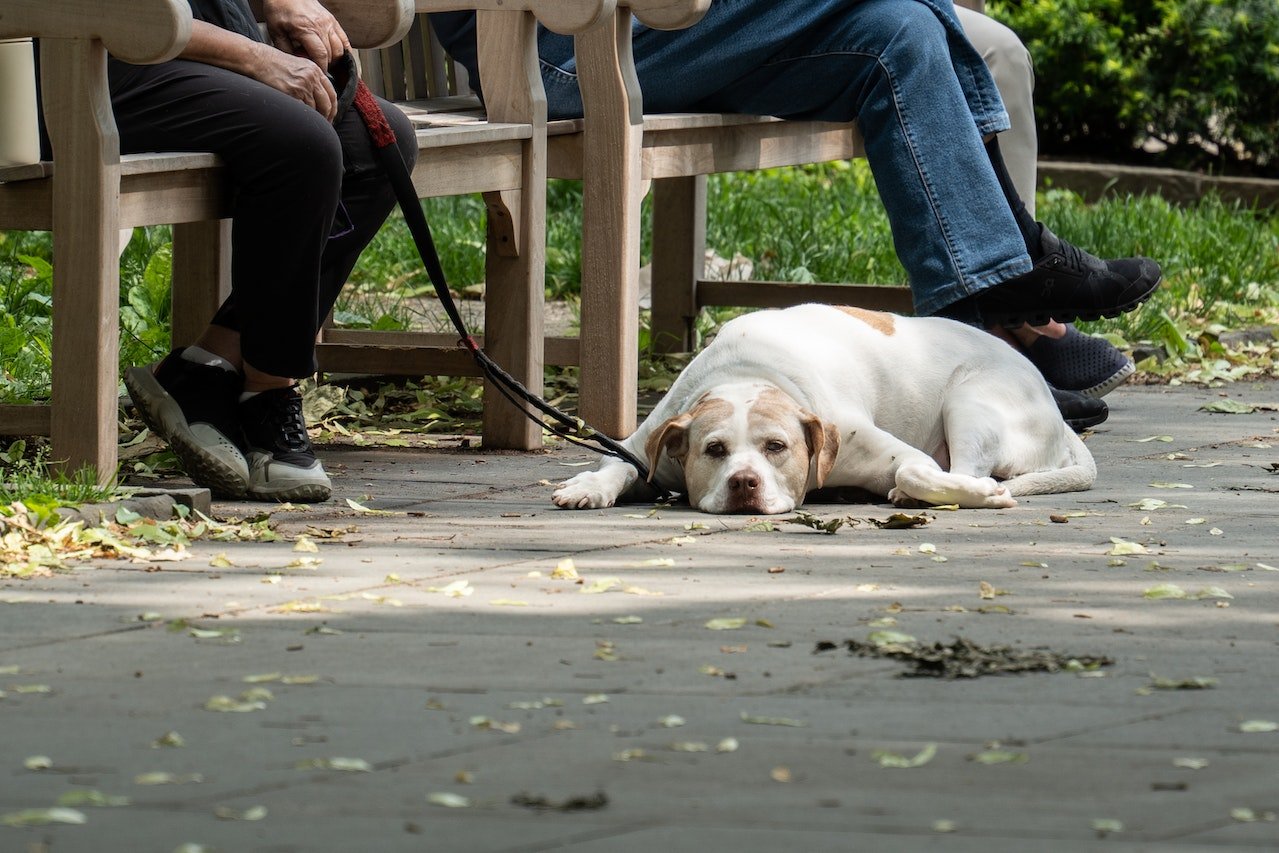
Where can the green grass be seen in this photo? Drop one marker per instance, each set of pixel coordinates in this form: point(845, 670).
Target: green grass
point(819, 223)
point(25, 475)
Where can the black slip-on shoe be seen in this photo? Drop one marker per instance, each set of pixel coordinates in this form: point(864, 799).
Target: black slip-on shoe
point(1079, 412)
point(1068, 284)
point(1079, 362)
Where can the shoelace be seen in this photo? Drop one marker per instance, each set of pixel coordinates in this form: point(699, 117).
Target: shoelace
point(288, 423)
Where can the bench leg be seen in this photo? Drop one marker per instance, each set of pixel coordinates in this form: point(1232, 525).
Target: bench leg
point(86, 263)
point(201, 276)
point(611, 195)
point(513, 310)
point(679, 260)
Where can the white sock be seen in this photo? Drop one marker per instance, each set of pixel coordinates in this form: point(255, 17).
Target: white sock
point(203, 356)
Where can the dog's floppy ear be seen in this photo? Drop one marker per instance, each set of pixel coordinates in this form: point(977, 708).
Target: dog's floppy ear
point(672, 437)
point(823, 444)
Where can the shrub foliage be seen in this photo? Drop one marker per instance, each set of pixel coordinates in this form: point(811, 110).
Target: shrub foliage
point(1199, 76)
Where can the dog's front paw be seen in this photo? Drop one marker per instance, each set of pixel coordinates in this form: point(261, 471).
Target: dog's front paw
point(588, 490)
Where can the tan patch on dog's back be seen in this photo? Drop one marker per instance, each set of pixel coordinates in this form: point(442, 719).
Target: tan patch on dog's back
point(880, 321)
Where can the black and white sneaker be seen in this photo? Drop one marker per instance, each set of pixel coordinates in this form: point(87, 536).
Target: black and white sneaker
point(192, 406)
point(282, 463)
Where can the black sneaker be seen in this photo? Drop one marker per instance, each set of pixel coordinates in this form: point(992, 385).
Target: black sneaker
point(282, 463)
point(1079, 412)
point(1079, 362)
point(1068, 284)
point(193, 407)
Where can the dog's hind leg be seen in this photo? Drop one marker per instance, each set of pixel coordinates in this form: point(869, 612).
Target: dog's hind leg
point(1076, 477)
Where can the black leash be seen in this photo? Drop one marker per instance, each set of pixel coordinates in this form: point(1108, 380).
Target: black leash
point(572, 429)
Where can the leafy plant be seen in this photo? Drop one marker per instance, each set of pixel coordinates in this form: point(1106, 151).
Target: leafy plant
point(1199, 77)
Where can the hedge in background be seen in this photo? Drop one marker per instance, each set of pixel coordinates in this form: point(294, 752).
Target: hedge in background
point(1200, 76)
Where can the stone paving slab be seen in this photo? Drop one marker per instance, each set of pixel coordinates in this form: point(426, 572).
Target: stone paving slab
point(423, 685)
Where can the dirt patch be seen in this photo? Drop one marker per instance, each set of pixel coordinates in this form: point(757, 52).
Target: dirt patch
point(965, 659)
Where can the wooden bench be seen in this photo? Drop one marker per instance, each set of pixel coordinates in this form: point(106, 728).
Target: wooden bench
point(620, 150)
point(510, 172)
point(92, 192)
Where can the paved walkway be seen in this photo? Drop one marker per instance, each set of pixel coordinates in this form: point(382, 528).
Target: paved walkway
point(374, 695)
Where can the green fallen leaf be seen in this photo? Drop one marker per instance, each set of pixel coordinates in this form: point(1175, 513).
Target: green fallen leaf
point(1106, 824)
point(600, 586)
point(1189, 763)
point(89, 797)
point(1164, 590)
point(228, 705)
point(772, 721)
point(1258, 726)
point(893, 759)
point(1152, 504)
point(1123, 548)
point(364, 510)
point(1193, 683)
point(1228, 407)
point(1171, 486)
point(1244, 815)
point(169, 739)
point(38, 762)
point(730, 623)
point(161, 777)
point(252, 813)
point(346, 765)
point(999, 756)
point(690, 746)
point(448, 800)
point(43, 817)
point(890, 638)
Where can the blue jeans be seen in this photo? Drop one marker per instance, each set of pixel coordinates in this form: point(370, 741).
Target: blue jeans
point(920, 93)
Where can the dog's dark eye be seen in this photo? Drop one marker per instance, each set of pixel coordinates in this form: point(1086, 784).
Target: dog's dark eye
point(775, 446)
point(716, 450)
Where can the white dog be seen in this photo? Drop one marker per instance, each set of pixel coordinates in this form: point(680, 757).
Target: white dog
point(916, 409)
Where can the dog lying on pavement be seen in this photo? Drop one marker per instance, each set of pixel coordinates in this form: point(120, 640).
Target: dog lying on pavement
point(914, 409)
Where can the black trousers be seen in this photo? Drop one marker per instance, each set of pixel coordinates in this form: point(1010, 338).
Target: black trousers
point(308, 195)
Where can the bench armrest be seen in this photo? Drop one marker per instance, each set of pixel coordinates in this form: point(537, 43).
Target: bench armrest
point(141, 32)
point(372, 23)
point(668, 14)
point(563, 16)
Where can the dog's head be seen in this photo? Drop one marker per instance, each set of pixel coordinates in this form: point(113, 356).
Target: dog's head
point(748, 449)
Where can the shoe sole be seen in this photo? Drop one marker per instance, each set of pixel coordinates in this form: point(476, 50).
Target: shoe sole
point(1101, 389)
point(309, 493)
point(163, 415)
point(288, 486)
point(1013, 319)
